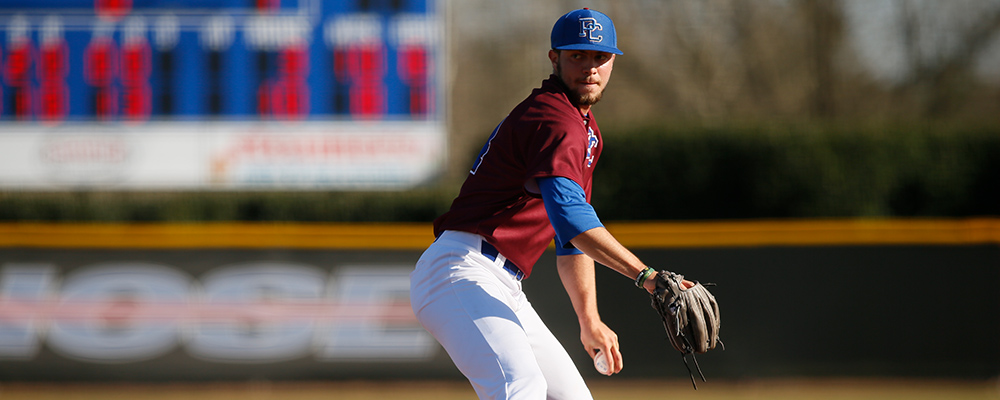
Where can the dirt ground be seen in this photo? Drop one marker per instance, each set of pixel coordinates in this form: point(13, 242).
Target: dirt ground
point(818, 389)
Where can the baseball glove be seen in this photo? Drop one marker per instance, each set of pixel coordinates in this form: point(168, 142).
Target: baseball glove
point(690, 317)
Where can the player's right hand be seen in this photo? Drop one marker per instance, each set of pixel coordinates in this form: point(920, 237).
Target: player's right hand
point(599, 338)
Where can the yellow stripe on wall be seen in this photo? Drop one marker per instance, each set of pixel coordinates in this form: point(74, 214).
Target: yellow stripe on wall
point(809, 233)
point(217, 235)
point(416, 236)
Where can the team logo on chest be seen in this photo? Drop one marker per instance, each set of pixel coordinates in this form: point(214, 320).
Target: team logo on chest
point(591, 146)
point(587, 27)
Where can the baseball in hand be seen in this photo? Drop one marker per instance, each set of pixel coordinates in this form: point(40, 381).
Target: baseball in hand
point(601, 363)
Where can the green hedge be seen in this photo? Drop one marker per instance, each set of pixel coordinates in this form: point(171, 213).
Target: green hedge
point(648, 173)
point(412, 206)
point(790, 172)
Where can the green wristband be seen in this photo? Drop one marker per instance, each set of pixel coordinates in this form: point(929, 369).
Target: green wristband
point(645, 274)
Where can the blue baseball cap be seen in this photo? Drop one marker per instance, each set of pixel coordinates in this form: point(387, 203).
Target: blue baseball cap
point(585, 29)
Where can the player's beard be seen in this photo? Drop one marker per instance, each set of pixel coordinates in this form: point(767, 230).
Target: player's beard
point(576, 97)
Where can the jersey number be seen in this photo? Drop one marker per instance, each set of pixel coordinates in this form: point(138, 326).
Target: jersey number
point(486, 149)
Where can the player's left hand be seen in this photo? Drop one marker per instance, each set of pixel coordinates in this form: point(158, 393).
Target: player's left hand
point(650, 285)
point(597, 337)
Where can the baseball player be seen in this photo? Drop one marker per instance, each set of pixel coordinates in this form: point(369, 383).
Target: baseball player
point(530, 184)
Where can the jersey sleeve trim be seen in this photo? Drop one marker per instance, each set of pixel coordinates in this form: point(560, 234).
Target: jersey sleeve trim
point(569, 212)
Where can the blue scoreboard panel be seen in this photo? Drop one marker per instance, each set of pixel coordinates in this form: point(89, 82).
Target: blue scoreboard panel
point(226, 94)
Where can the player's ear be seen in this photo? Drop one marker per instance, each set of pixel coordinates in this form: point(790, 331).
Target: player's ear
point(554, 58)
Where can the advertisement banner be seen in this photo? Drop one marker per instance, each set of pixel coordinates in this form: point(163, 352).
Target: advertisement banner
point(210, 314)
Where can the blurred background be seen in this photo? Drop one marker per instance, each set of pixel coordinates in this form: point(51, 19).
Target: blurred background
point(207, 190)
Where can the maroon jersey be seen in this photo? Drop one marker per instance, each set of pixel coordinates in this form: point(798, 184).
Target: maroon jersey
point(544, 136)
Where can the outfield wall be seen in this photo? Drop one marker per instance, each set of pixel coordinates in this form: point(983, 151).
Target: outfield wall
point(106, 302)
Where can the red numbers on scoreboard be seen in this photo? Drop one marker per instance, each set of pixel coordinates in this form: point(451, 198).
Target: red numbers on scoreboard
point(53, 66)
point(100, 66)
point(414, 67)
point(17, 75)
point(362, 67)
point(289, 91)
point(36, 77)
point(415, 37)
point(286, 94)
point(358, 45)
point(136, 68)
point(106, 67)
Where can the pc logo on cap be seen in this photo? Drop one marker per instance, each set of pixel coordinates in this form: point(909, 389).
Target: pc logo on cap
point(585, 29)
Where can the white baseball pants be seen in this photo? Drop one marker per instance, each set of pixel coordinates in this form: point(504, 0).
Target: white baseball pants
point(479, 314)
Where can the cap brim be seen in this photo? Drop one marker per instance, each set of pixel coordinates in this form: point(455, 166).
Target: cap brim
point(585, 46)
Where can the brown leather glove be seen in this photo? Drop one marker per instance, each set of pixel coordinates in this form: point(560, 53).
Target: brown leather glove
point(690, 316)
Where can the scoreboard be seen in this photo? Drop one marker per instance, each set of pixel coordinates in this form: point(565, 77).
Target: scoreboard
point(220, 94)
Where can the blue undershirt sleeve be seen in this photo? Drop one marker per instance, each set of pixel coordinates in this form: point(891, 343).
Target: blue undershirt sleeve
point(568, 210)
